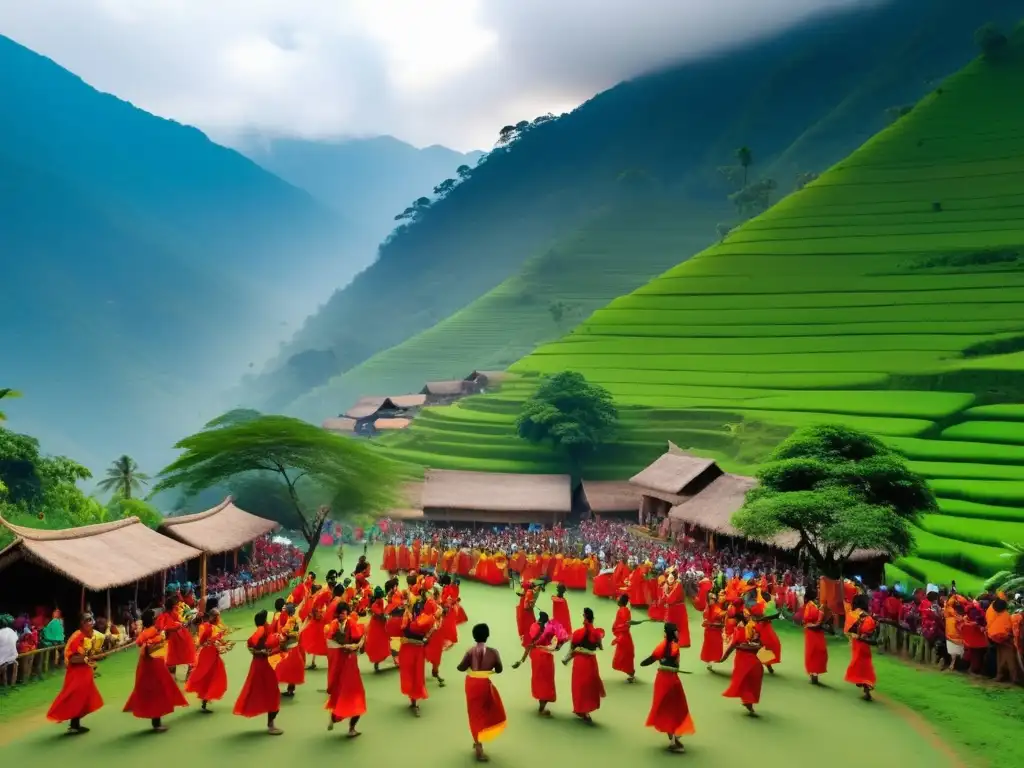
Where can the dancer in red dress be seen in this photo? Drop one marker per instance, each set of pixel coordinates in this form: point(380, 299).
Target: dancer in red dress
point(312, 613)
point(156, 693)
point(587, 688)
point(378, 644)
point(290, 666)
point(747, 671)
point(670, 713)
point(560, 608)
point(483, 703)
point(78, 695)
point(625, 652)
point(524, 610)
point(416, 630)
point(260, 694)
point(181, 648)
point(347, 700)
point(546, 638)
point(209, 679)
point(675, 607)
point(437, 643)
point(713, 647)
point(860, 628)
point(815, 648)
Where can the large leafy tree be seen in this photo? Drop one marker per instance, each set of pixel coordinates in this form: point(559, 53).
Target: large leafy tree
point(124, 478)
point(572, 414)
point(298, 455)
point(841, 490)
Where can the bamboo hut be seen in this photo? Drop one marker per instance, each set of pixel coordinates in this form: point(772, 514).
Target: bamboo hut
point(492, 497)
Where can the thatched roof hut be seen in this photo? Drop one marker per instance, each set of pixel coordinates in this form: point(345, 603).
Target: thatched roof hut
point(221, 529)
point(340, 425)
point(386, 425)
point(675, 475)
point(493, 497)
point(612, 497)
point(98, 557)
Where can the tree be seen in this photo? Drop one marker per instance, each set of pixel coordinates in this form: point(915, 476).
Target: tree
point(841, 490)
point(804, 178)
point(1010, 581)
point(754, 198)
point(445, 187)
point(463, 172)
point(895, 113)
point(723, 229)
point(576, 416)
point(299, 455)
point(8, 393)
point(746, 159)
point(120, 508)
point(415, 211)
point(123, 478)
point(991, 41)
point(559, 310)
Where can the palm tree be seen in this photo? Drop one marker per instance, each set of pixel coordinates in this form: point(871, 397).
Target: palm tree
point(7, 392)
point(123, 477)
point(1010, 581)
point(746, 159)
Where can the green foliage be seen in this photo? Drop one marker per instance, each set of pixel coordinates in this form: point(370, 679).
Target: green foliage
point(967, 259)
point(120, 508)
point(993, 43)
point(124, 478)
point(7, 392)
point(841, 490)
point(572, 414)
point(1010, 580)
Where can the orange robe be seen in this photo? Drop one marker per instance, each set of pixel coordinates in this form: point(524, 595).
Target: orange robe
point(587, 687)
point(209, 679)
point(155, 693)
point(861, 670)
point(670, 712)
point(260, 694)
point(347, 697)
point(747, 671)
point(623, 660)
point(78, 695)
point(815, 648)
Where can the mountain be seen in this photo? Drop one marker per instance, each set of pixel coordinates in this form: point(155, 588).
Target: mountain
point(887, 295)
point(368, 180)
point(801, 100)
point(144, 265)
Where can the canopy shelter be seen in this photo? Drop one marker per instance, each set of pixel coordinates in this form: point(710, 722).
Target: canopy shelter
point(493, 497)
point(670, 480)
point(97, 557)
point(223, 528)
point(612, 498)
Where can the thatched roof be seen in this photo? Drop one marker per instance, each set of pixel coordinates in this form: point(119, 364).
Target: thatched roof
point(445, 388)
point(488, 377)
point(408, 401)
point(365, 406)
point(497, 492)
point(339, 424)
point(609, 496)
point(405, 514)
point(221, 529)
point(100, 556)
point(672, 472)
point(387, 424)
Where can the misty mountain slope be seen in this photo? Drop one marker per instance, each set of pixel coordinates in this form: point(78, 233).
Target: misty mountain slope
point(801, 100)
point(368, 180)
point(142, 264)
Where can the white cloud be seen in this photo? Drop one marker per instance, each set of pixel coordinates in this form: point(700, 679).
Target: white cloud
point(428, 71)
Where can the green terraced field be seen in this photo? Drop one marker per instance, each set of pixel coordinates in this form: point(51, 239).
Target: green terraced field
point(887, 295)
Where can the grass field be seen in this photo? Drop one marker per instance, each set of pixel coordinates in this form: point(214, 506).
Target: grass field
point(969, 717)
point(887, 295)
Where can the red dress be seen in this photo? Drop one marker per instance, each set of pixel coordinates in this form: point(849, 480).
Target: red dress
point(378, 644)
point(815, 649)
point(412, 658)
point(524, 614)
point(290, 665)
point(347, 697)
point(181, 649)
point(675, 612)
point(542, 669)
point(770, 641)
point(670, 712)
point(747, 670)
point(209, 679)
point(587, 688)
point(78, 696)
point(560, 612)
point(312, 636)
point(260, 694)
point(862, 669)
point(484, 706)
point(623, 660)
point(713, 647)
point(155, 693)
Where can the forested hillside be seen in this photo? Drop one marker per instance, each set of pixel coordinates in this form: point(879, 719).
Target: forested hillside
point(800, 101)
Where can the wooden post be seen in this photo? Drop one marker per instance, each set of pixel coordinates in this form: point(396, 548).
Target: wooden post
point(236, 560)
point(202, 583)
point(110, 617)
point(82, 608)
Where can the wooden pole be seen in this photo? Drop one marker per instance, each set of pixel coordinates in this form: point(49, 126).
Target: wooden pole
point(82, 608)
point(110, 616)
point(236, 560)
point(202, 583)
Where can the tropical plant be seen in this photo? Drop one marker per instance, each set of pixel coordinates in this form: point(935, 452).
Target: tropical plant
point(123, 478)
point(8, 393)
point(1010, 581)
point(746, 159)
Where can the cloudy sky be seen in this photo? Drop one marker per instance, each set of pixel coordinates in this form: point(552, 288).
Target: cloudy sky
point(427, 71)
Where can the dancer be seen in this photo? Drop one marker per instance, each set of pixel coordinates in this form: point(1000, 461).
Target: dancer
point(675, 607)
point(587, 688)
point(747, 671)
point(347, 700)
point(181, 648)
point(524, 610)
point(437, 643)
point(771, 645)
point(815, 648)
point(560, 608)
point(546, 638)
point(290, 666)
point(713, 647)
point(378, 644)
point(625, 651)
point(78, 695)
point(155, 694)
point(860, 628)
point(260, 694)
point(486, 711)
point(209, 679)
point(312, 613)
point(416, 630)
point(336, 608)
point(670, 713)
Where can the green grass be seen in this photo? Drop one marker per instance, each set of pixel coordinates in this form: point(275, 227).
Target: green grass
point(969, 717)
point(861, 299)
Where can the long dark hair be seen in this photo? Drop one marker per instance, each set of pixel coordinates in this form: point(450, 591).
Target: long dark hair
point(671, 636)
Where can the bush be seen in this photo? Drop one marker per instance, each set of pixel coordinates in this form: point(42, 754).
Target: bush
point(991, 41)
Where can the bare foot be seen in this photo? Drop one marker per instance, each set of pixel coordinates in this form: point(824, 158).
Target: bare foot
point(274, 731)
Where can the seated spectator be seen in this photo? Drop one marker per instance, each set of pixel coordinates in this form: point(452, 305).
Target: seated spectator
point(8, 650)
point(53, 632)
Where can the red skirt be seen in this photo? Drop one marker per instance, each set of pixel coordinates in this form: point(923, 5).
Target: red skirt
point(411, 662)
point(669, 711)
point(623, 660)
point(815, 652)
point(676, 613)
point(450, 628)
point(155, 693)
point(603, 586)
point(542, 675)
point(713, 646)
point(333, 668)
point(862, 669)
point(587, 688)
point(460, 614)
point(181, 648)
point(747, 675)
point(560, 613)
point(209, 679)
point(524, 620)
point(312, 638)
point(378, 645)
point(260, 695)
point(770, 641)
point(78, 696)
point(347, 698)
point(434, 649)
point(291, 670)
point(486, 712)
